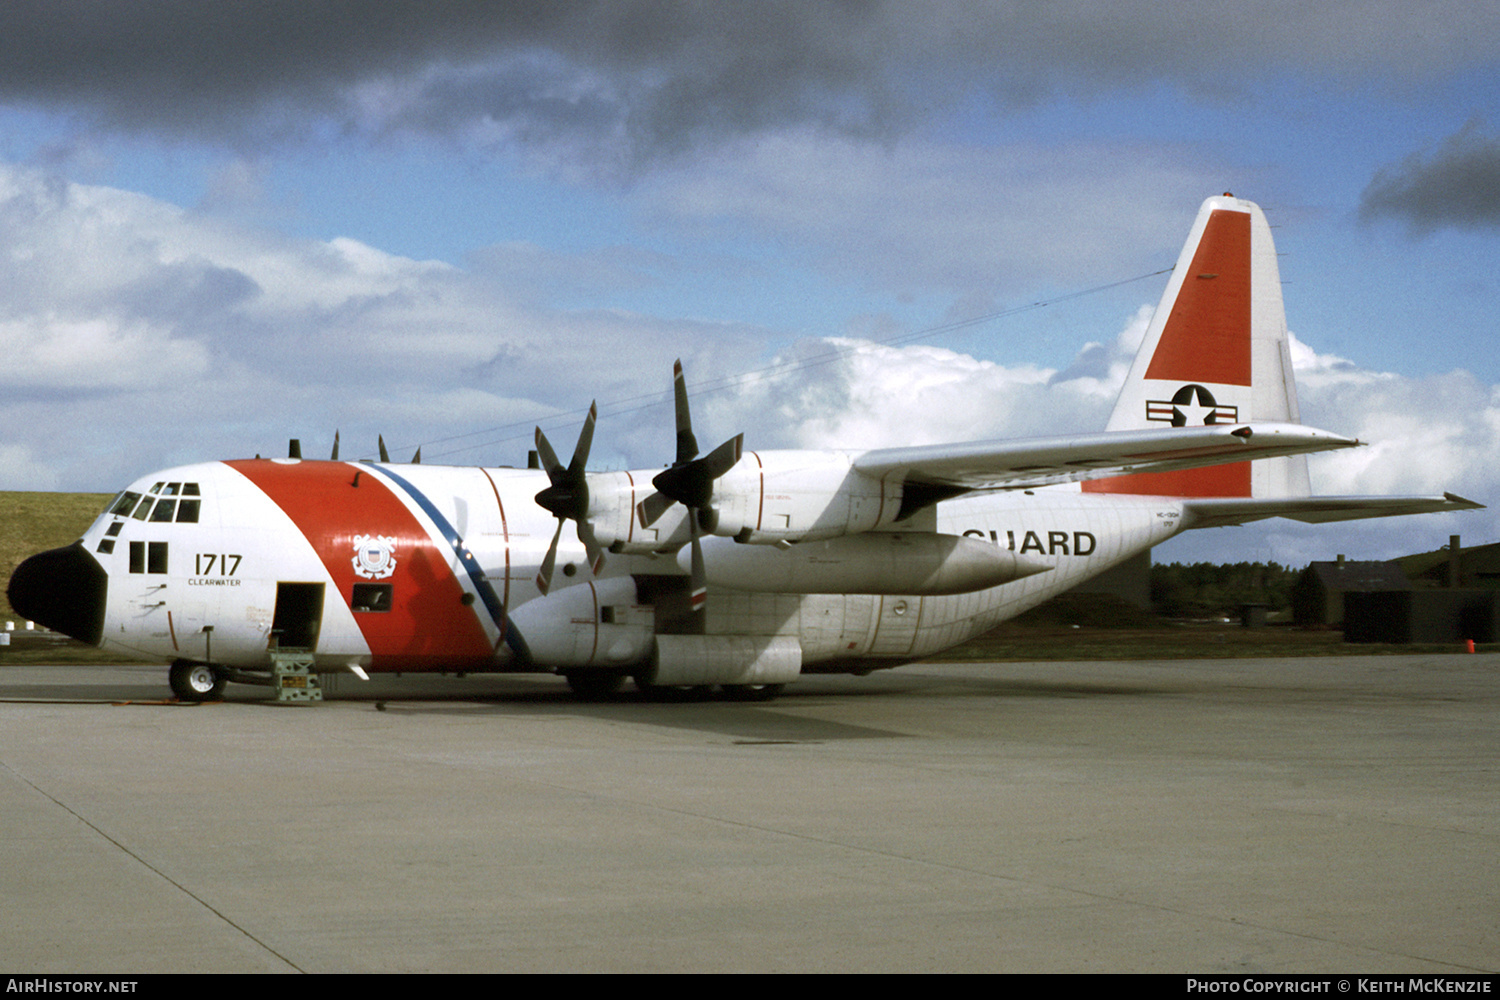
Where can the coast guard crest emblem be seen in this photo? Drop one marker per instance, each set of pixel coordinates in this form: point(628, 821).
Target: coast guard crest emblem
point(374, 556)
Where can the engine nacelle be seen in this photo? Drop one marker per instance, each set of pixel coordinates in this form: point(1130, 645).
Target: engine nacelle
point(594, 623)
point(777, 496)
point(768, 497)
point(877, 562)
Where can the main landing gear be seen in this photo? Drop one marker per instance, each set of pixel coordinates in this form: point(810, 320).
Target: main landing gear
point(604, 685)
point(705, 692)
point(753, 692)
point(594, 685)
point(197, 681)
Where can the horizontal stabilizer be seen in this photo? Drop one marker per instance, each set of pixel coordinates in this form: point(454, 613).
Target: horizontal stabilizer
point(1217, 512)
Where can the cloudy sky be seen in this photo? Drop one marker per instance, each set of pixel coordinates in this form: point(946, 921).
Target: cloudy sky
point(858, 224)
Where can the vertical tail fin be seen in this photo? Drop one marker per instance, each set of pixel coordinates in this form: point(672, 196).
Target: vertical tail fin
point(1215, 352)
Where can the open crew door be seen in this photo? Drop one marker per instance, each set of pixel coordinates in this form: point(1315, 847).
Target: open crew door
point(299, 615)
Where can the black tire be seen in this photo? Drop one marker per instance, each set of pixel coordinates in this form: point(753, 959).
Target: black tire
point(594, 685)
point(753, 692)
point(673, 692)
point(197, 681)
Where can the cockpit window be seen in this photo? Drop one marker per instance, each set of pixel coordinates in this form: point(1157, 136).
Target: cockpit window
point(159, 506)
point(124, 503)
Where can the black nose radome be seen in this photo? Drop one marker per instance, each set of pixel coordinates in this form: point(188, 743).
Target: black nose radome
point(63, 589)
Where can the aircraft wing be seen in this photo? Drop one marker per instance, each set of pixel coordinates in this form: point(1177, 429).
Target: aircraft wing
point(1216, 512)
point(1024, 463)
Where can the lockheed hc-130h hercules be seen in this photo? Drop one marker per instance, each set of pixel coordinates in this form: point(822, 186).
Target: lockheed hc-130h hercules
point(739, 569)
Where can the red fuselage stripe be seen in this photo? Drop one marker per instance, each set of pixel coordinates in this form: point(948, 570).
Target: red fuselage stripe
point(428, 625)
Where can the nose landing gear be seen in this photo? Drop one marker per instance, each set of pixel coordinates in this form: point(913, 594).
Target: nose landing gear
point(197, 681)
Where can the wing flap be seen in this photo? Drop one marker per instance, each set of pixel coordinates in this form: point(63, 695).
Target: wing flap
point(1029, 462)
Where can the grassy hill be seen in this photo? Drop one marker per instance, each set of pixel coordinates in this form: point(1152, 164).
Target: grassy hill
point(33, 522)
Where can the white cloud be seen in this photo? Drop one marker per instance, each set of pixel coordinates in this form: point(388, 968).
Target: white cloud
point(48, 350)
point(1424, 435)
point(849, 393)
point(137, 334)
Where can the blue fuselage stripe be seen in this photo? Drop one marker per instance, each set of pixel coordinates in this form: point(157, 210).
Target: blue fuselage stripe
point(471, 565)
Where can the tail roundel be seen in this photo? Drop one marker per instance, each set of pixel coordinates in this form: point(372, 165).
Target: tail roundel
point(1215, 353)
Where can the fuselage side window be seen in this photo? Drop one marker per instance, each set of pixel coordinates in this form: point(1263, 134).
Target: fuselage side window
point(371, 597)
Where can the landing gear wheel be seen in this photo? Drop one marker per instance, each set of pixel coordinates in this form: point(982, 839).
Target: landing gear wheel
point(753, 692)
point(197, 681)
point(594, 685)
point(672, 692)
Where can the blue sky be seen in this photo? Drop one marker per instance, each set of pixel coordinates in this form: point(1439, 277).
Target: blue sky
point(446, 222)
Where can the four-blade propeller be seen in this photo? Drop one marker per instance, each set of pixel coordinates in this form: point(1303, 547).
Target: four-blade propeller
point(690, 482)
point(567, 498)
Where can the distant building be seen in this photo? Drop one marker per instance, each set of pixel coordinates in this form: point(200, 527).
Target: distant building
point(1476, 567)
point(1444, 596)
point(1318, 595)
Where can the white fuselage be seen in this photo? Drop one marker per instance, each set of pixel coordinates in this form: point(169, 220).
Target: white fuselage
point(433, 568)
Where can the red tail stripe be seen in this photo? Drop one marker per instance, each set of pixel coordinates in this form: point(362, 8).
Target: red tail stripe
point(1207, 335)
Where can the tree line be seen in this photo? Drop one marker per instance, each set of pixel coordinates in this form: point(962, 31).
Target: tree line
point(1195, 590)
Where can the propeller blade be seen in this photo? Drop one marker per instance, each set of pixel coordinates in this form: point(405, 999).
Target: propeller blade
point(294, 448)
point(687, 445)
point(585, 442)
point(417, 458)
point(591, 546)
point(385, 456)
point(652, 508)
point(725, 457)
point(548, 456)
point(335, 456)
point(699, 578)
point(544, 575)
